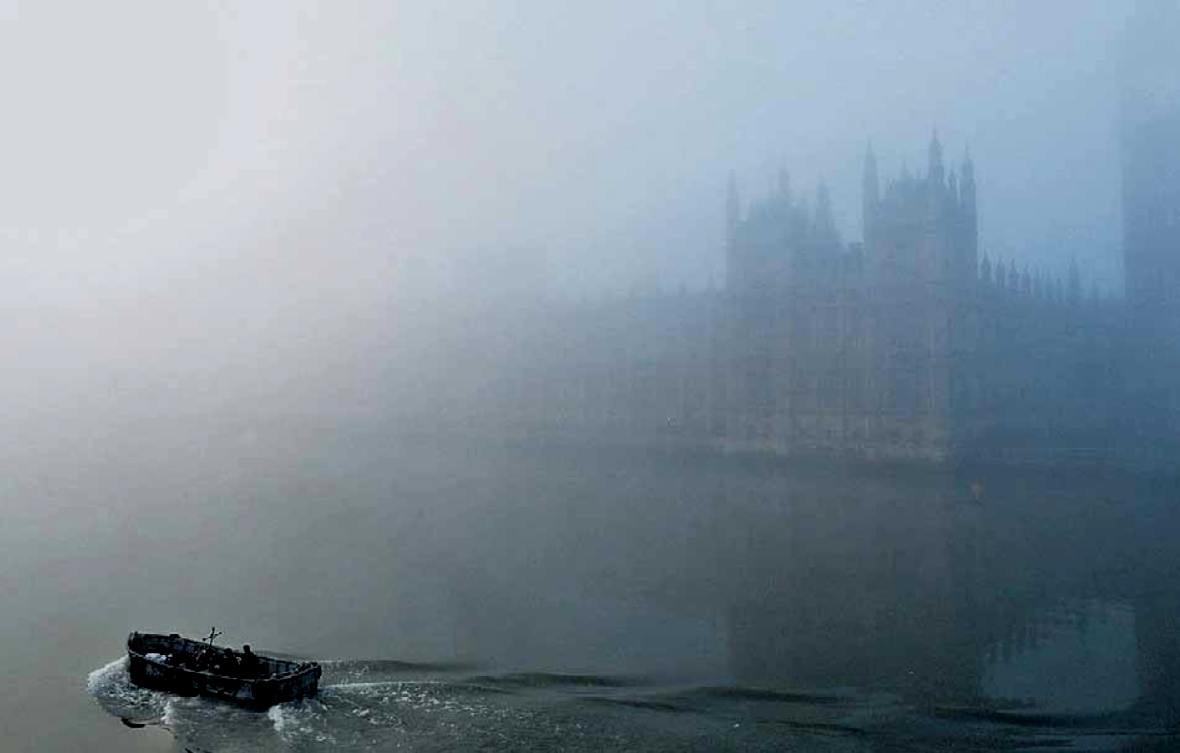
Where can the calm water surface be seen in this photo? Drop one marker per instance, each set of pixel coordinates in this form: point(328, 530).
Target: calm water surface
point(483, 595)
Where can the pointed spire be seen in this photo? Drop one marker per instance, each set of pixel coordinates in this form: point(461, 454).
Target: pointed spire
point(985, 270)
point(967, 202)
point(967, 184)
point(1013, 276)
point(935, 171)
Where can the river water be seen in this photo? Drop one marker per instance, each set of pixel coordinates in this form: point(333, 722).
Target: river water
point(479, 594)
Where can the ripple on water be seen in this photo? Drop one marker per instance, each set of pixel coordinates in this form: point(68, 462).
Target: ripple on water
point(537, 711)
point(301, 721)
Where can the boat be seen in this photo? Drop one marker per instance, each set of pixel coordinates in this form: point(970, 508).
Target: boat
point(189, 667)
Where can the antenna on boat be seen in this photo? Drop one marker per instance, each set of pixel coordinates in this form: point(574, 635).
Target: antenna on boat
point(213, 635)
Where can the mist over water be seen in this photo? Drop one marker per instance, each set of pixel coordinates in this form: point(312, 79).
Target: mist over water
point(604, 377)
point(464, 593)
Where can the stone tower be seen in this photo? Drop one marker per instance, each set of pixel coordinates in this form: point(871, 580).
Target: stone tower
point(1150, 135)
point(921, 266)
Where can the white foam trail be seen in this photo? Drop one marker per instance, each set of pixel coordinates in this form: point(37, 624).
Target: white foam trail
point(303, 720)
point(374, 684)
point(107, 677)
point(168, 718)
point(111, 686)
point(279, 718)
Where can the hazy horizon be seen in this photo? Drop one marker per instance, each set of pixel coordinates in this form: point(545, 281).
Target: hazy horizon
point(193, 188)
point(286, 143)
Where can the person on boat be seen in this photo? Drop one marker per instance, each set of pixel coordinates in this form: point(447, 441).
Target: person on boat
point(227, 663)
point(249, 664)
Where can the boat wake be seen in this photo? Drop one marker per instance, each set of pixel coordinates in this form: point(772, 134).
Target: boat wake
point(360, 705)
point(111, 686)
point(366, 705)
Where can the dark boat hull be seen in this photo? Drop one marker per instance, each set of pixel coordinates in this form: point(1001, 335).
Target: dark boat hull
point(279, 681)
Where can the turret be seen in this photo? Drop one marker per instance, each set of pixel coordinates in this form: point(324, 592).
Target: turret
point(1151, 166)
point(935, 171)
point(1150, 136)
point(967, 187)
point(970, 222)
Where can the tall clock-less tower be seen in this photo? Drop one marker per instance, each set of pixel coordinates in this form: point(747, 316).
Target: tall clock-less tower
point(1150, 133)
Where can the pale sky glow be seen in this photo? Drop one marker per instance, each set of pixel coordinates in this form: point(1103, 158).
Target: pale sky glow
point(229, 171)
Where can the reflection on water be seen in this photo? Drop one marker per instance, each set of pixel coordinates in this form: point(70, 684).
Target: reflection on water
point(1080, 659)
point(926, 604)
point(1042, 593)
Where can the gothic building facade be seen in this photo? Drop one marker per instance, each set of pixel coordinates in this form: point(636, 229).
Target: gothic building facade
point(908, 344)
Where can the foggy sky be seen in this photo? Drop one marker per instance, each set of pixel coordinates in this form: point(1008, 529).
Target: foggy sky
point(221, 184)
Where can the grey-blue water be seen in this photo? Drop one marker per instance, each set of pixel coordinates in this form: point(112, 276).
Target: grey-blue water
point(470, 594)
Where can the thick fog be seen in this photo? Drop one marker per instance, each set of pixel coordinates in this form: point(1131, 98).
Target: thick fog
point(206, 204)
point(492, 333)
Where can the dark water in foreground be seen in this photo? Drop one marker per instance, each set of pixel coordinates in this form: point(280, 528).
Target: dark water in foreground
point(373, 705)
point(480, 595)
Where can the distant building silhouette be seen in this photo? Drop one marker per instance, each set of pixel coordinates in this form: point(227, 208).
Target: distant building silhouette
point(908, 345)
point(1150, 133)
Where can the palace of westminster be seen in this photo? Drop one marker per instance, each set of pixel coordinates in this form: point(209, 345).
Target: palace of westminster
point(911, 344)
